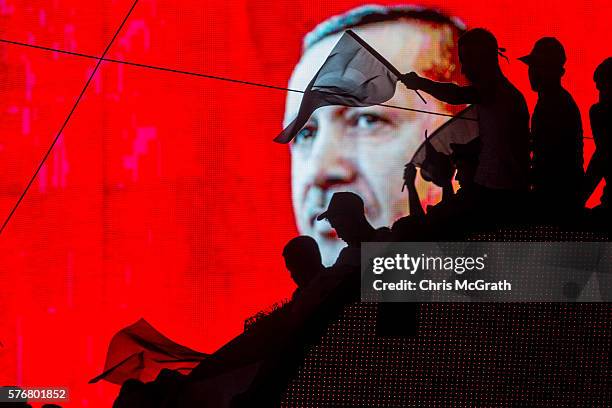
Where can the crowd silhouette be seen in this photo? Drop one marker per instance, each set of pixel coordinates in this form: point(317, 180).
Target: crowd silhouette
point(512, 174)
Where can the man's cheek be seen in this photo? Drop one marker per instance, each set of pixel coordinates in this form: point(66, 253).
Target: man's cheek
point(378, 162)
point(297, 198)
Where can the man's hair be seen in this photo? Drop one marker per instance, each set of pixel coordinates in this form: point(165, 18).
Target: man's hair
point(302, 247)
point(603, 72)
point(450, 28)
point(374, 13)
point(482, 40)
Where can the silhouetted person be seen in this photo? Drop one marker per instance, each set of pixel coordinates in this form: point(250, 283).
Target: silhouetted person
point(556, 132)
point(503, 121)
point(442, 178)
point(346, 214)
point(600, 114)
point(458, 209)
point(331, 289)
point(455, 208)
point(314, 281)
point(413, 226)
point(303, 260)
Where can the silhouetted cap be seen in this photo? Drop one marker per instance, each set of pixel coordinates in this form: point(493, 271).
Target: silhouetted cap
point(547, 51)
point(343, 203)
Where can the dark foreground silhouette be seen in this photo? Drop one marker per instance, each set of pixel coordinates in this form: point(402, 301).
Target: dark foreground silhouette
point(442, 351)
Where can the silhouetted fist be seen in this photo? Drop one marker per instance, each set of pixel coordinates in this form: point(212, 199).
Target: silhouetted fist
point(409, 174)
point(411, 80)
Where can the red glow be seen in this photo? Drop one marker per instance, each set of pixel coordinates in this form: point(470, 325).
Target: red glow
point(165, 197)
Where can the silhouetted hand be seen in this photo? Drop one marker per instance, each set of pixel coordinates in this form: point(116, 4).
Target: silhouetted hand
point(444, 178)
point(411, 80)
point(409, 174)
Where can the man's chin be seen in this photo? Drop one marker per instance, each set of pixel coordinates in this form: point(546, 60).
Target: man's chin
point(330, 248)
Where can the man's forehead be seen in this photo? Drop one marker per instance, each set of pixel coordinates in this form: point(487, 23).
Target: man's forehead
point(402, 42)
point(409, 45)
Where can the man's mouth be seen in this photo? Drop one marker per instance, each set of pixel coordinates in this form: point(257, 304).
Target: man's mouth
point(323, 227)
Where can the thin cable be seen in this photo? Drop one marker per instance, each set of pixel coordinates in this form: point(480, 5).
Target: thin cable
point(42, 162)
point(218, 78)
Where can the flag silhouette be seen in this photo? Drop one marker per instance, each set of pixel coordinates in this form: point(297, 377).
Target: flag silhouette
point(354, 74)
point(139, 351)
point(432, 157)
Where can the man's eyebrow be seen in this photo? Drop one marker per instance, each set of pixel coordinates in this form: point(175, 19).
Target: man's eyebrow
point(339, 111)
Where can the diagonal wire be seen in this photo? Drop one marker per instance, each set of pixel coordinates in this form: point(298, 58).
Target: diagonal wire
point(42, 162)
point(197, 74)
point(158, 68)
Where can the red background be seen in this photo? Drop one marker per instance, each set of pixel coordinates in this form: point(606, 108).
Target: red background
point(165, 197)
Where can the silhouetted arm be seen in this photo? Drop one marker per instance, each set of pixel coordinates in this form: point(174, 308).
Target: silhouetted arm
point(414, 202)
point(443, 91)
point(594, 172)
point(447, 191)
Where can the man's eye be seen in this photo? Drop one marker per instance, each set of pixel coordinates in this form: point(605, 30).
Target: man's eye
point(368, 121)
point(305, 135)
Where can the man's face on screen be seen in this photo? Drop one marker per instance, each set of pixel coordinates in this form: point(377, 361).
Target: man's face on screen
point(362, 150)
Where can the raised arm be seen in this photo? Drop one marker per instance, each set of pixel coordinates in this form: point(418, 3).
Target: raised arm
point(447, 191)
point(414, 201)
point(595, 169)
point(443, 91)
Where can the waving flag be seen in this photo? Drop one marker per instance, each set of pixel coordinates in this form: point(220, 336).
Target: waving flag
point(430, 156)
point(139, 351)
point(354, 74)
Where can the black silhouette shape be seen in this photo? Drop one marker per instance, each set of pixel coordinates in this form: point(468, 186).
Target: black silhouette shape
point(491, 169)
point(503, 122)
point(454, 211)
point(303, 260)
point(600, 114)
point(346, 214)
point(556, 133)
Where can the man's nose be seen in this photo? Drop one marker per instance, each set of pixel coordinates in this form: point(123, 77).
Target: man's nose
point(334, 160)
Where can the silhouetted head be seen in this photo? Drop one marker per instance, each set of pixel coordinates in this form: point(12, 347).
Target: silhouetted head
point(545, 61)
point(302, 259)
point(346, 215)
point(603, 80)
point(478, 54)
point(465, 160)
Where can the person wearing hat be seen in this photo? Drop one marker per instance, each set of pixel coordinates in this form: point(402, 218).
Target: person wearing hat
point(303, 260)
point(556, 132)
point(503, 122)
point(346, 214)
point(454, 212)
